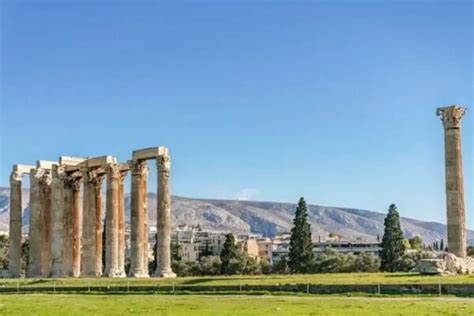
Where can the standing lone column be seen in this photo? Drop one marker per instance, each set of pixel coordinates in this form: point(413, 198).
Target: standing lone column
point(111, 221)
point(14, 265)
point(451, 117)
point(163, 224)
point(139, 171)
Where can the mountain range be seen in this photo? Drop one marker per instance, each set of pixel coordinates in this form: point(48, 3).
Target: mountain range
point(267, 218)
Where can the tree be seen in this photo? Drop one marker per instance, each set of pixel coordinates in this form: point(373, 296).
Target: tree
point(281, 266)
point(229, 252)
point(4, 252)
point(392, 241)
point(301, 248)
point(366, 262)
point(416, 243)
point(441, 245)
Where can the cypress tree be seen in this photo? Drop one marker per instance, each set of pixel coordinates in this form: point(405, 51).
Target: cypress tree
point(392, 241)
point(301, 248)
point(441, 245)
point(228, 253)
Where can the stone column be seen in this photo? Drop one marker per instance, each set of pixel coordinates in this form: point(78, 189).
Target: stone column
point(112, 221)
point(57, 221)
point(451, 117)
point(39, 258)
point(68, 226)
point(15, 235)
point(45, 184)
point(98, 224)
point(163, 224)
point(139, 172)
point(76, 227)
point(121, 225)
point(34, 235)
point(91, 253)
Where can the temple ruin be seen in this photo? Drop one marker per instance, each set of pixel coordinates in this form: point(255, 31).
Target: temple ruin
point(66, 216)
point(451, 117)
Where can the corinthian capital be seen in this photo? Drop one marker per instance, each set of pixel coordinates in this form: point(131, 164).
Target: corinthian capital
point(451, 116)
point(15, 177)
point(113, 170)
point(139, 168)
point(163, 163)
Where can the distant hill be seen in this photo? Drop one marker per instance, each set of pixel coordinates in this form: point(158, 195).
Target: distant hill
point(267, 218)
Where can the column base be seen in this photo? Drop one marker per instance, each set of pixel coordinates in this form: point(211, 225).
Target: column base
point(164, 274)
point(139, 275)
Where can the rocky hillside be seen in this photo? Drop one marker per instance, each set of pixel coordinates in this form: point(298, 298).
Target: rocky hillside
point(268, 218)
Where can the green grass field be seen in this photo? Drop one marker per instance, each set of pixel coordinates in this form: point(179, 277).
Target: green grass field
point(169, 305)
point(342, 278)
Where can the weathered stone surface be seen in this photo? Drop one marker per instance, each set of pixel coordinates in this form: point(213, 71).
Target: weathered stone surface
point(451, 117)
point(57, 221)
point(138, 268)
point(91, 254)
point(121, 224)
point(76, 224)
point(14, 265)
point(111, 220)
point(150, 153)
point(40, 219)
point(163, 222)
point(447, 263)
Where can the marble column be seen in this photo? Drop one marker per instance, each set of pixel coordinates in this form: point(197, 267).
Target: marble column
point(451, 117)
point(91, 253)
point(76, 227)
point(39, 258)
point(121, 225)
point(15, 235)
point(57, 221)
point(68, 226)
point(163, 224)
point(112, 221)
point(139, 172)
point(46, 223)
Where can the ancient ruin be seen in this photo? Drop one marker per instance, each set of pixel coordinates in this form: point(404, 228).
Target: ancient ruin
point(451, 117)
point(66, 217)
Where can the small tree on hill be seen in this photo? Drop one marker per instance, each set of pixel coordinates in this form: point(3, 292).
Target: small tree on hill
point(392, 241)
point(229, 253)
point(301, 248)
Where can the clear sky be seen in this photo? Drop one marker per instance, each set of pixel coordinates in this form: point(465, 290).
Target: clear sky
point(333, 100)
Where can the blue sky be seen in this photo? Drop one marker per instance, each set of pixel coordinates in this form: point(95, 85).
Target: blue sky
point(334, 101)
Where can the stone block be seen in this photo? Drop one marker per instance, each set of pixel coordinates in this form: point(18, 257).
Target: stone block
point(150, 153)
point(45, 164)
point(23, 168)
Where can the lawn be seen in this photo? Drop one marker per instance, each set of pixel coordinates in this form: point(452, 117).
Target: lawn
point(169, 305)
point(342, 278)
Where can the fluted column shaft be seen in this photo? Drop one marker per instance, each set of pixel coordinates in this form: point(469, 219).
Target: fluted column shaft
point(451, 117)
point(112, 221)
point(39, 259)
point(139, 172)
point(91, 253)
point(121, 225)
point(76, 228)
point(15, 234)
point(163, 224)
point(57, 221)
